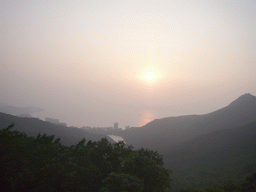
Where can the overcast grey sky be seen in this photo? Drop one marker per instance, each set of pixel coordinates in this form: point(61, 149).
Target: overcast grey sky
point(87, 62)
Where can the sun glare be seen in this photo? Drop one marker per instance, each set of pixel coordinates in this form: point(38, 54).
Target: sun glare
point(150, 75)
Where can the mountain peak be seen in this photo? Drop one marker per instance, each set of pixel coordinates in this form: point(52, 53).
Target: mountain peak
point(247, 95)
point(244, 100)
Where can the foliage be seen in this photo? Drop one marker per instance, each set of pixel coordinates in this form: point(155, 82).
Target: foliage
point(122, 183)
point(147, 166)
point(250, 184)
point(43, 164)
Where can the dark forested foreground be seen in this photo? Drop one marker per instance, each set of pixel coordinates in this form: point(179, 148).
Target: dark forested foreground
point(43, 164)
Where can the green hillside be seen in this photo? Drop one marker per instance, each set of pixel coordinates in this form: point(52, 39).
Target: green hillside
point(42, 164)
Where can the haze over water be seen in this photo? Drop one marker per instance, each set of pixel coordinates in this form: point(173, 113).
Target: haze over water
point(93, 63)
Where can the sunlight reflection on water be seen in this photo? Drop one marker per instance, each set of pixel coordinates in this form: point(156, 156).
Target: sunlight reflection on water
point(146, 117)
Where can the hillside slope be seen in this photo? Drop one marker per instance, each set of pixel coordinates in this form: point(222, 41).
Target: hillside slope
point(160, 134)
point(214, 159)
point(33, 126)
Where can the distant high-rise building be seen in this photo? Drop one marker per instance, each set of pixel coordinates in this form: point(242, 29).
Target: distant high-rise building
point(115, 125)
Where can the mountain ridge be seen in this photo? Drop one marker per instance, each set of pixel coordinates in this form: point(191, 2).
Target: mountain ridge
point(168, 131)
point(9, 109)
point(34, 126)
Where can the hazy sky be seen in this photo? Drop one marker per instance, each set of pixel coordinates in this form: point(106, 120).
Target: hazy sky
point(85, 62)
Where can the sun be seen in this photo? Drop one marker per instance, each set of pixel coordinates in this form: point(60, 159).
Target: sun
point(150, 75)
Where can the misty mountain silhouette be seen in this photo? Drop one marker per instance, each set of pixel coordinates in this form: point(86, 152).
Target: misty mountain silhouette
point(160, 134)
point(33, 126)
point(204, 150)
point(8, 109)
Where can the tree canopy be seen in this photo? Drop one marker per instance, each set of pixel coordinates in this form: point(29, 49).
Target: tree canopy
point(42, 163)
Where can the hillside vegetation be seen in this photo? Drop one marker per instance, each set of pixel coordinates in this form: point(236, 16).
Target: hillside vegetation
point(43, 164)
point(219, 158)
point(33, 126)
